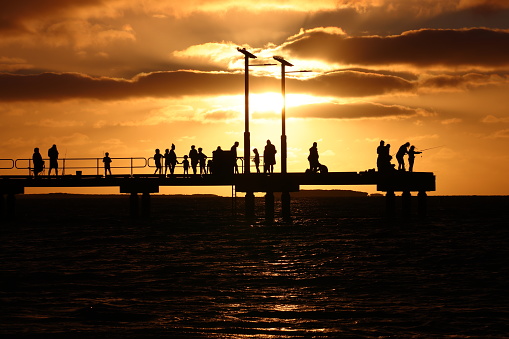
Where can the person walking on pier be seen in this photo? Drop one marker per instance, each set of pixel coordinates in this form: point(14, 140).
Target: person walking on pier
point(256, 160)
point(403, 149)
point(107, 162)
point(38, 162)
point(313, 156)
point(411, 158)
point(173, 159)
point(193, 155)
point(269, 157)
point(202, 158)
point(157, 160)
point(53, 159)
point(234, 154)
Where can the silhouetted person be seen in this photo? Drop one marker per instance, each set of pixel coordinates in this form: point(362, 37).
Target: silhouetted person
point(313, 156)
point(403, 149)
point(38, 162)
point(173, 159)
point(381, 159)
point(210, 165)
point(202, 161)
point(256, 160)
point(157, 159)
point(411, 158)
point(53, 159)
point(185, 165)
point(166, 157)
point(234, 154)
point(193, 155)
point(390, 166)
point(269, 157)
point(107, 162)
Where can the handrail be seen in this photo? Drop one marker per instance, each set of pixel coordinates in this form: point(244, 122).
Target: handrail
point(98, 163)
point(12, 162)
point(145, 162)
point(241, 167)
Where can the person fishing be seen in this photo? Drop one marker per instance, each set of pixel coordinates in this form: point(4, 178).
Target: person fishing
point(411, 158)
point(403, 149)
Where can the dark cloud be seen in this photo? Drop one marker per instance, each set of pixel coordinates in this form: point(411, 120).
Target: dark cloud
point(15, 14)
point(420, 48)
point(65, 86)
point(54, 87)
point(352, 84)
point(352, 111)
point(391, 18)
point(462, 81)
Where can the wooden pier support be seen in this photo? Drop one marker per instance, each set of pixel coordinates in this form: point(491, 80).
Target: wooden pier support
point(249, 204)
point(406, 203)
point(390, 203)
point(285, 206)
point(422, 203)
point(133, 205)
point(8, 205)
point(269, 206)
point(145, 204)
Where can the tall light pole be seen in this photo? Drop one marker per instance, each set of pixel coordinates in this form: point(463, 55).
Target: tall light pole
point(284, 63)
point(247, 136)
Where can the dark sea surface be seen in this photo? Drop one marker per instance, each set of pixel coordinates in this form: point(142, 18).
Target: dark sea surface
point(79, 267)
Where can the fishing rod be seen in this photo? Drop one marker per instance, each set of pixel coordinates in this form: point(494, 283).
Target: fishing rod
point(427, 149)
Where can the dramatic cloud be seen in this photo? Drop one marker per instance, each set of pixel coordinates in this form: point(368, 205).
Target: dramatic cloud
point(476, 47)
point(354, 111)
point(52, 86)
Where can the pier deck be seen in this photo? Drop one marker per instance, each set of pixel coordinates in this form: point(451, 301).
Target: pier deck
point(276, 182)
point(390, 183)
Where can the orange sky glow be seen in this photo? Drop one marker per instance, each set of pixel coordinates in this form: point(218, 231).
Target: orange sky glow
point(127, 77)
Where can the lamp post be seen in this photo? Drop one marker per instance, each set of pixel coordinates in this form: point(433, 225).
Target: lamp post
point(285, 195)
point(247, 136)
point(284, 63)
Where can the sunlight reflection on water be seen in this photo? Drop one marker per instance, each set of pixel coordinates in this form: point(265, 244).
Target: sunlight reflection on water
point(324, 276)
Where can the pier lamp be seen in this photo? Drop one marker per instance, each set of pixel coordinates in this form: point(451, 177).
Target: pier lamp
point(284, 63)
point(247, 136)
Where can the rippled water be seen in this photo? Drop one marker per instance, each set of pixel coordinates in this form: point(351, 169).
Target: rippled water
point(77, 266)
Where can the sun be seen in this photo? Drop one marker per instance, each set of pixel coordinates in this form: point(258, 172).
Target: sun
point(269, 102)
point(272, 102)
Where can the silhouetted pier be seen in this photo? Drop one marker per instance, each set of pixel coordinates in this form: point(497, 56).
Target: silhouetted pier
point(143, 185)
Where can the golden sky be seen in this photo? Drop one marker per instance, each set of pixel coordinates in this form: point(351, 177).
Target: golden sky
point(129, 76)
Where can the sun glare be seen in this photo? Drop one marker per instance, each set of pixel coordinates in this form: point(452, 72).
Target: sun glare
point(272, 102)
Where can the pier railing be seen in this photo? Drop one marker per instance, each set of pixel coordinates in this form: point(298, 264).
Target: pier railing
point(6, 163)
point(85, 163)
point(79, 164)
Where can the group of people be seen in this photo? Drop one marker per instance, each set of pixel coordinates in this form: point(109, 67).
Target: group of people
point(197, 159)
point(384, 158)
point(38, 162)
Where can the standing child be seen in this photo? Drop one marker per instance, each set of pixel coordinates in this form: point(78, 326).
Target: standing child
point(411, 158)
point(256, 160)
point(167, 160)
point(107, 162)
point(185, 164)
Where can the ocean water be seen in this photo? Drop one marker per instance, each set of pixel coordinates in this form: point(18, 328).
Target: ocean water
point(78, 266)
